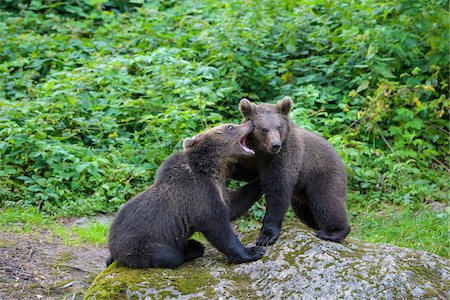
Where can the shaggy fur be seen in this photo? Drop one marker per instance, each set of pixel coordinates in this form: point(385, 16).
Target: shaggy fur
point(188, 195)
point(297, 167)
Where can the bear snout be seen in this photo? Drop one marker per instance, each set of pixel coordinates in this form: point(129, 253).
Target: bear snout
point(276, 147)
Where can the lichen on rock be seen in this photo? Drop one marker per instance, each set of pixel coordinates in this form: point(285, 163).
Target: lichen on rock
point(298, 266)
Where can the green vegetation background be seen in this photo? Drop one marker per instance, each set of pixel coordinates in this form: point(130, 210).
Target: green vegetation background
point(94, 95)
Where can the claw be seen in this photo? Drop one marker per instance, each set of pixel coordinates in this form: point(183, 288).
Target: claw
point(267, 237)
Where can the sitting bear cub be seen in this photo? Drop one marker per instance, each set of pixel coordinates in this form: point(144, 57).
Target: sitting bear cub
point(188, 195)
point(294, 166)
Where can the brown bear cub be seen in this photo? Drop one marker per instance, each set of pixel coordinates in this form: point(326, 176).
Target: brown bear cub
point(297, 167)
point(189, 194)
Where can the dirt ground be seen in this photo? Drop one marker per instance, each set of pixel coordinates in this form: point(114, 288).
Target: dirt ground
point(41, 266)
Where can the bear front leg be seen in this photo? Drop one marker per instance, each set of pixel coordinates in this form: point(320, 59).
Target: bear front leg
point(240, 200)
point(217, 230)
point(278, 201)
point(243, 171)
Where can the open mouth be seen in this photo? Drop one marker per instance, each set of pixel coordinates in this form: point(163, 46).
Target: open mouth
point(244, 147)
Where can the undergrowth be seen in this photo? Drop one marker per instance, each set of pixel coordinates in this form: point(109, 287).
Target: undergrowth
point(95, 94)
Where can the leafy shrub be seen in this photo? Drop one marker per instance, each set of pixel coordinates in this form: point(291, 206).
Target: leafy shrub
point(73, 8)
point(92, 101)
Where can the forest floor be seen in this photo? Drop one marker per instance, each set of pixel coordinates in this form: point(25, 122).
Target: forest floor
point(42, 259)
point(40, 265)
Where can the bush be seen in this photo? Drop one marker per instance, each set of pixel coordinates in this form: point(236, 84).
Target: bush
point(92, 100)
point(72, 8)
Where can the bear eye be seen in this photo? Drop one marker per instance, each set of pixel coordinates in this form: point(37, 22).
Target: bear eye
point(230, 127)
point(280, 128)
point(265, 130)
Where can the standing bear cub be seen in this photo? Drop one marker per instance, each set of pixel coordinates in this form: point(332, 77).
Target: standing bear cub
point(297, 167)
point(189, 194)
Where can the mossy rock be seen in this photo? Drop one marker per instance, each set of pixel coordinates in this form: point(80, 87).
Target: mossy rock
point(298, 266)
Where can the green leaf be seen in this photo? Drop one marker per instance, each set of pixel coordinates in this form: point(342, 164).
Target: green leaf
point(363, 86)
point(8, 171)
point(415, 124)
point(383, 69)
point(403, 114)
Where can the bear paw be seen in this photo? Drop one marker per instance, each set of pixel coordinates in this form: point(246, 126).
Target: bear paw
point(268, 236)
point(256, 252)
point(334, 236)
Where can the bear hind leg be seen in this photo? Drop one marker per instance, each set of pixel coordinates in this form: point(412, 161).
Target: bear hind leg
point(193, 250)
point(333, 235)
point(166, 257)
point(328, 210)
point(154, 256)
point(305, 214)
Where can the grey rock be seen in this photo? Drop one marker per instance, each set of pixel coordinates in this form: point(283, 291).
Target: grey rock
point(298, 266)
point(104, 219)
point(81, 221)
point(439, 206)
point(85, 221)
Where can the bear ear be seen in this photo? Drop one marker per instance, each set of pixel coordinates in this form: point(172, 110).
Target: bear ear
point(245, 107)
point(188, 143)
point(285, 105)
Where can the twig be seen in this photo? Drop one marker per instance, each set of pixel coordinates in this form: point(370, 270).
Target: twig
point(31, 254)
point(387, 143)
point(78, 268)
point(439, 128)
point(351, 125)
point(315, 113)
point(16, 272)
point(65, 286)
point(129, 179)
point(441, 163)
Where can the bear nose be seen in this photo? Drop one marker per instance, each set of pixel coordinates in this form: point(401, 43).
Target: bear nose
point(276, 146)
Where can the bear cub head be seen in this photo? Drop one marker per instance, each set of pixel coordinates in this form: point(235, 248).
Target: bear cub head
point(272, 124)
point(227, 141)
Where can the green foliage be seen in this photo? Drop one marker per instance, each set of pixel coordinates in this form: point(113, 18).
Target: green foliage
point(414, 227)
point(93, 233)
point(72, 8)
point(28, 218)
point(420, 228)
point(93, 100)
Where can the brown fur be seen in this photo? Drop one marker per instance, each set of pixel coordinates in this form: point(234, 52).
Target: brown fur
point(188, 195)
point(297, 167)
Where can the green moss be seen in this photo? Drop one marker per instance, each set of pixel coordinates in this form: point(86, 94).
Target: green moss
point(196, 280)
point(90, 278)
point(294, 258)
point(34, 286)
point(423, 275)
point(290, 258)
point(250, 237)
point(114, 282)
point(65, 257)
point(189, 279)
point(7, 243)
point(241, 284)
